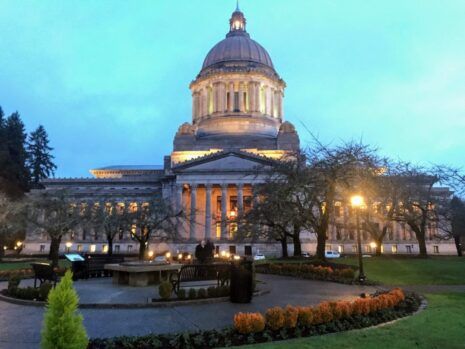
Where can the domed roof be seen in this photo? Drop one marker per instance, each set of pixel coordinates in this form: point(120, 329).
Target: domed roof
point(238, 48)
point(238, 52)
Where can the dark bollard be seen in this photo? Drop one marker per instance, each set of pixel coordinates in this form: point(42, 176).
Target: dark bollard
point(241, 286)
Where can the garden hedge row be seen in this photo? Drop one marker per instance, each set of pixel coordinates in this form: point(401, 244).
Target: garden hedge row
point(309, 271)
point(277, 324)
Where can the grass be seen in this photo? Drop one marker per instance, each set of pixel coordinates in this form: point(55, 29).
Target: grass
point(440, 326)
point(27, 265)
point(413, 271)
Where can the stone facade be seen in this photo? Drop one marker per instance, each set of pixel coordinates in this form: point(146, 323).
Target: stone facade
point(237, 124)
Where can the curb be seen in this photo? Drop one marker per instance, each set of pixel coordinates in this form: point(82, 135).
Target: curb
point(169, 304)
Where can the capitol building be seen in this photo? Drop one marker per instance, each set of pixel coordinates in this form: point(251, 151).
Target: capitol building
point(237, 125)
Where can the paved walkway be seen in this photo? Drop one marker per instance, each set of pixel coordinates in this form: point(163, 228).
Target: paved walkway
point(20, 325)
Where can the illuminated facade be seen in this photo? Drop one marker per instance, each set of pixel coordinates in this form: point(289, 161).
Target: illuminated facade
point(237, 125)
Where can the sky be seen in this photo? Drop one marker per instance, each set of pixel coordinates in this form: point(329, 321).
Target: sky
point(109, 79)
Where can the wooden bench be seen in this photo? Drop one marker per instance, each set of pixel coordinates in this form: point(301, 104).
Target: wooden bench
point(44, 272)
point(94, 265)
point(201, 272)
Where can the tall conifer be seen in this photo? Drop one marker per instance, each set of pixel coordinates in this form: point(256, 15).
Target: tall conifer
point(40, 160)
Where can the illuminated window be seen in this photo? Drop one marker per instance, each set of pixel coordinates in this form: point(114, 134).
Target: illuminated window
point(262, 100)
point(367, 248)
point(394, 248)
point(79, 248)
point(92, 248)
point(354, 248)
point(340, 249)
point(218, 230)
point(104, 248)
point(232, 230)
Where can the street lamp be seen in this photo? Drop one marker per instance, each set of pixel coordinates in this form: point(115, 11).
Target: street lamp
point(357, 203)
point(68, 246)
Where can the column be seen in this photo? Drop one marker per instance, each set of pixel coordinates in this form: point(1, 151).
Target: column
point(240, 199)
point(179, 203)
point(224, 209)
point(208, 211)
point(193, 212)
point(280, 104)
point(231, 97)
point(241, 97)
point(251, 96)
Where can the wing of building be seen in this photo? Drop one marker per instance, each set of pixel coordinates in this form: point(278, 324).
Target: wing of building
point(237, 126)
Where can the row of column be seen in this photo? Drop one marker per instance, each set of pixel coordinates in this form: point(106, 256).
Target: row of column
point(192, 224)
point(240, 97)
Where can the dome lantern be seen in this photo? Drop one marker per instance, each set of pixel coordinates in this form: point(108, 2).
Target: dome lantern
point(237, 22)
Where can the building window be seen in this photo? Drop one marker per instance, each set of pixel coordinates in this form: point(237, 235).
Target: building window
point(328, 248)
point(42, 248)
point(244, 101)
point(340, 249)
point(436, 249)
point(247, 250)
point(367, 248)
point(394, 248)
point(117, 248)
point(232, 249)
point(79, 248)
point(218, 230)
point(129, 248)
point(232, 230)
point(104, 248)
point(354, 248)
point(408, 248)
point(93, 248)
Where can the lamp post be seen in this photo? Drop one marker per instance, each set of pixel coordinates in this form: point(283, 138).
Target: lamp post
point(357, 203)
point(68, 246)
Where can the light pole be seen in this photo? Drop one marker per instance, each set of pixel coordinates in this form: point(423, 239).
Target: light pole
point(357, 203)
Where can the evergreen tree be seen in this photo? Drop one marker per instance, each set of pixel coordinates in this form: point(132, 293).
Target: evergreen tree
point(14, 173)
point(40, 161)
point(63, 328)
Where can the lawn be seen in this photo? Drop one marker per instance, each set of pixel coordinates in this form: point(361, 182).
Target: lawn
point(413, 271)
point(441, 325)
point(27, 265)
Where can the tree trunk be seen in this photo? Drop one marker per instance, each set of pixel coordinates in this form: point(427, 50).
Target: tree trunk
point(297, 244)
point(320, 246)
point(110, 246)
point(142, 248)
point(284, 248)
point(54, 252)
point(378, 242)
point(458, 245)
point(422, 245)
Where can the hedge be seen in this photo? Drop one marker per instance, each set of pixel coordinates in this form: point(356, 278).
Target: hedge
point(251, 328)
point(309, 271)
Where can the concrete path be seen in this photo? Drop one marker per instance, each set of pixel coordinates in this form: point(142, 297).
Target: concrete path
point(20, 325)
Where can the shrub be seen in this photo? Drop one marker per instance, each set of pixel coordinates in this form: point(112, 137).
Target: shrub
point(361, 306)
point(305, 316)
point(202, 293)
point(13, 283)
point(223, 291)
point(275, 318)
point(63, 328)
point(192, 293)
point(325, 312)
point(165, 290)
point(344, 308)
point(347, 273)
point(44, 290)
point(246, 323)
point(212, 292)
point(27, 293)
point(291, 315)
point(182, 293)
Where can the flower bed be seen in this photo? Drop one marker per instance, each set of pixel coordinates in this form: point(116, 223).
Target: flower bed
point(281, 323)
point(309, 271)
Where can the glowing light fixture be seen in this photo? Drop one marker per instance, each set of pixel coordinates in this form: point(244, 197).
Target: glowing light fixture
point(357, 201)
point(150, 254)
point(69, 244)
point(168, 255)
point(373, 244)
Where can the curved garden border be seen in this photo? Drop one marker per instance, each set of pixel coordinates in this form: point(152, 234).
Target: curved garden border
point(161, 304)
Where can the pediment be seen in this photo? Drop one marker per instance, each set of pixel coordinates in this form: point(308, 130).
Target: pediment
point(225, 162)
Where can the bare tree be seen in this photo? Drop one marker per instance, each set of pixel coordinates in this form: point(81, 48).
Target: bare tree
point(451, 223)
point(56, 215)
point(155, 220)
point(12, 221)
point(110, 217)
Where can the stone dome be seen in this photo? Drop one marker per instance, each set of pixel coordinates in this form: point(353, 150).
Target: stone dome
point(238, 47)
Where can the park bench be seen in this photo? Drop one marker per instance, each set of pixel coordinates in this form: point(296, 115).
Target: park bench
point(219, 273)
point(44, 272)
point(95, 265)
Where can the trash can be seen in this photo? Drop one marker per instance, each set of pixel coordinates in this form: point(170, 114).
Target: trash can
point(241, 285)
